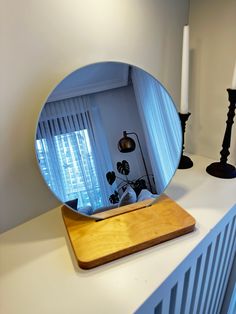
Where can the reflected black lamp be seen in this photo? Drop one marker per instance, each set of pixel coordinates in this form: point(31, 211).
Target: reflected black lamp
point(126, 145)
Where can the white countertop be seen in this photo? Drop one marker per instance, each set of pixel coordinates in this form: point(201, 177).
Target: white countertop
point(38, 273)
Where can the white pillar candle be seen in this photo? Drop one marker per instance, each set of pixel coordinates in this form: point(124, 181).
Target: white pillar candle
point(234, 77)
point(185, 71)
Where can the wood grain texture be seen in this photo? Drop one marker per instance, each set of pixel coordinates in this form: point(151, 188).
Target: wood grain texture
point(98, 242)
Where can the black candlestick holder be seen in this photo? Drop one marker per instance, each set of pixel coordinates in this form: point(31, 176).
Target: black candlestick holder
point(222, 169)
point(185, 161)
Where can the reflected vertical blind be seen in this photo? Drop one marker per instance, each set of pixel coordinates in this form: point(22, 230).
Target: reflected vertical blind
point(161, 125)
point(73, 152)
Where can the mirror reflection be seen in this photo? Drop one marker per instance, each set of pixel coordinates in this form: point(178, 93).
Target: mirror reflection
point(108, 136)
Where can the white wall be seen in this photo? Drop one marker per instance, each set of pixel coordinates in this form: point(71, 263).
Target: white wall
point(41, 43)
point(213, 53)
point(119, 112)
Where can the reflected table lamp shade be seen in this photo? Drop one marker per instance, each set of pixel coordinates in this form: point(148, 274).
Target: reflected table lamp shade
point(126, 144)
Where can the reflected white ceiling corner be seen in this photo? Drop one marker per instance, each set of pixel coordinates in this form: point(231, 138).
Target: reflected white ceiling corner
point(91, 79)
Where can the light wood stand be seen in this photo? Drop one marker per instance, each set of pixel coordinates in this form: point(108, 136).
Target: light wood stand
point(98, 242)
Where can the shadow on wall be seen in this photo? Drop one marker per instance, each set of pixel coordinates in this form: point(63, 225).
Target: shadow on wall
point(24, 194)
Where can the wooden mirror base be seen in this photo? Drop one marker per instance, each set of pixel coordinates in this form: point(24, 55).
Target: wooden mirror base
point(98, 242)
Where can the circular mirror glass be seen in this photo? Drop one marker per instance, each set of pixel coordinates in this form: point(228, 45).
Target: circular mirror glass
point(108, 136)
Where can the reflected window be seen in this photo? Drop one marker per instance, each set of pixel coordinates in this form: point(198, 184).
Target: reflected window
point(76, 166)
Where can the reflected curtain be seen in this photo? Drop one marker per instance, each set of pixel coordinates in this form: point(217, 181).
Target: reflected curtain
point(161, 124)
point(73, 152)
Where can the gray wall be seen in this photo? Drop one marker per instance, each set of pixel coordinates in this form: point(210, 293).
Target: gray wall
point(41, 43)
point(119, 112)
point(212, 58)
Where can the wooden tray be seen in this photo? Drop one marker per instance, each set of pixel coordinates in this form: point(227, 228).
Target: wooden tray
point(98, 242)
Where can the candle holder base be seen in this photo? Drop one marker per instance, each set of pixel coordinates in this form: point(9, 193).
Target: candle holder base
point(185, 162)
point(221, 170)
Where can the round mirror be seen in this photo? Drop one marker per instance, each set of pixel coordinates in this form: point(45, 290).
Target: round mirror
point(108, 136)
